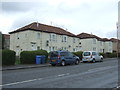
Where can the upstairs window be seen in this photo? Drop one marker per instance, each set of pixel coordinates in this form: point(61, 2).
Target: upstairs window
point(94, 41)
point(53, 37)
point(110, 44)
point(38, 35)
point(73, 40)
point(64, 38)
point(101, 43)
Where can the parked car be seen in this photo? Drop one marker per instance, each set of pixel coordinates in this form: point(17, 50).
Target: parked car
point(63, 58)
point(91, 56)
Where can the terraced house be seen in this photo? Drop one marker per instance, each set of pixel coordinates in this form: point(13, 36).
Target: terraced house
point(37, 36)
point(91, 42)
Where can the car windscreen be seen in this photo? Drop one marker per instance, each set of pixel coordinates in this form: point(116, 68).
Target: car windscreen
point(64, 54)
point(54, 54)
point(86, 53)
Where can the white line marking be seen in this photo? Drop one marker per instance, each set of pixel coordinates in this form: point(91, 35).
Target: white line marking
point(101, 68)
point(63, 74)
point(21, 82)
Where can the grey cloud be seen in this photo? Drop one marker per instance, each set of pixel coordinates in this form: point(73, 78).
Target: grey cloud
point(15, 6)
point(21, 6)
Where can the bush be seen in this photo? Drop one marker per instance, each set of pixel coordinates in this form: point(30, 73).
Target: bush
point(109, 55)
point(8, 57)
point(79, 54)
point(29, 57)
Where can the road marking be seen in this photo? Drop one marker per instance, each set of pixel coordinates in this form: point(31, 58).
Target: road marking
point(101, 68)
point(63, 74)
point(21, 82)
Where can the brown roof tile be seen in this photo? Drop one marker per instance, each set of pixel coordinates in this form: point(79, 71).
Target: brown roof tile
point(114, 40)
point(86, 35)
point(44, 28)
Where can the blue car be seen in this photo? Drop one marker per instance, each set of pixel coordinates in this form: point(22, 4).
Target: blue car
point(63, 58)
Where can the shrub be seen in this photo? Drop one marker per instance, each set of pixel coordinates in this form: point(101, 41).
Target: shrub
point(79, 54)
point(8, 57)
point(29, 57)
point(109, 55)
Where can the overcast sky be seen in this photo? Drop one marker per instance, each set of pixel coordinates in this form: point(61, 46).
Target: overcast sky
point(98, 17)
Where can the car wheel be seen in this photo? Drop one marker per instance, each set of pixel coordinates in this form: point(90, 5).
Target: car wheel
point(93, 61)
point(77, 62)
point(63, 63)
point(101, 60)
point(53, 64)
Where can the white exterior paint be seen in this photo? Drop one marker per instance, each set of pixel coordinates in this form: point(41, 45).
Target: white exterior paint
point(32, 40)
point(92, 44)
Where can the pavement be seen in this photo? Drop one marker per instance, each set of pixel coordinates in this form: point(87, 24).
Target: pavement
point(24, 66)
point(27, 66)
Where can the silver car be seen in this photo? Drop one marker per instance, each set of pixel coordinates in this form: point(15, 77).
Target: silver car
point(91, 56)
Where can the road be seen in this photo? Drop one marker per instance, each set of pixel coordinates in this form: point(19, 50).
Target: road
point(85, 75)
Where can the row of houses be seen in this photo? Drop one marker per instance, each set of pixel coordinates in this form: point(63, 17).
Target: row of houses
point(37, 36)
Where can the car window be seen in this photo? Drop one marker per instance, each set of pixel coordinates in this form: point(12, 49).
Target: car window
point(53, 54)
point(64, 54)
point(86, 54)
point(70, 54)
point(94, 53)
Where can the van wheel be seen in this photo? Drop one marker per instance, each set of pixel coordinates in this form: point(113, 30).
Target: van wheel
point(77, 62)
point(63, 63)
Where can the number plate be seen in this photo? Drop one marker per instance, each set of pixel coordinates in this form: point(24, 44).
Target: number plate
point(53, 60)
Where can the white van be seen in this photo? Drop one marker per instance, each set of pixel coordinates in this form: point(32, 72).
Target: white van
point(91, 56)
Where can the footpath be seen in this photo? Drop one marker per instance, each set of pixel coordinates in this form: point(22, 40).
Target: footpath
point(23, 66)
point(27, 66)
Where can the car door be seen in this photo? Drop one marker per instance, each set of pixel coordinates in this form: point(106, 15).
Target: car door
point(71, 57)
point(65, 56)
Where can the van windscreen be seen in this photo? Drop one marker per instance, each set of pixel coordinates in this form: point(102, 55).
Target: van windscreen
point(86, 54)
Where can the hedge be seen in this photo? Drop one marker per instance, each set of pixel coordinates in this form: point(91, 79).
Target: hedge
point(109, 55)
point(79, 54)
point(29, 57)
point(8, 57)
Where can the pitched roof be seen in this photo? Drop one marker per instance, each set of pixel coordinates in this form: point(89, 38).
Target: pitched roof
point(86, 35)
point(114, 40)
point(43, 28)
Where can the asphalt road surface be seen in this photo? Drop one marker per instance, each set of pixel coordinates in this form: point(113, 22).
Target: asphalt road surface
point(85, 75)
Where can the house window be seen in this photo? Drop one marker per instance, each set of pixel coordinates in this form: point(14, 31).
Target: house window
point(33, 47)
point(110, 44)
point(18, 36)
point(101, 43)
point(53, 37)
point(94, 41)
point(50, 49)
point(64, 38)
point(74, 49)
point(38, 47)
point(38, 35)
point(73, 40)
point(94, 49)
